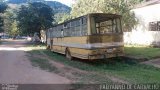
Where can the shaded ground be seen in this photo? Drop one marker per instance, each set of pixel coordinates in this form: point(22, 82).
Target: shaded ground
point(72, 72)
point(16, 68)
point(154, 62)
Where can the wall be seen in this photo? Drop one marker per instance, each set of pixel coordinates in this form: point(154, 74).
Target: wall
point(142, 38)
point(141, 34)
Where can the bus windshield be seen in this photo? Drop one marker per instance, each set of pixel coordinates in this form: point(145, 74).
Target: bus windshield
point(102, 25)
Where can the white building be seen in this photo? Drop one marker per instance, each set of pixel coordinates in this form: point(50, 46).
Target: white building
point(147, 31)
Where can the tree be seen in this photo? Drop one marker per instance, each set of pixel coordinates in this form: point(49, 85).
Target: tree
point(3, 7)
point(61, 17)
point(122, 7)
point(14, 31)
point(10, 23)
point(34, 17)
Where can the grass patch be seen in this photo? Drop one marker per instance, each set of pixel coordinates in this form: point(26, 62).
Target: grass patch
point(43, 64)
point(144, 52)
point(129, 71)
point(35, 52)
point(137, 73)
point(73, 63)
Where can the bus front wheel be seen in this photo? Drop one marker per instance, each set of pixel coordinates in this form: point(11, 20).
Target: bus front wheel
point(68, 55)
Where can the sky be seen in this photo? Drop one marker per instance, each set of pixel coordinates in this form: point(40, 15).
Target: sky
point(66, 2)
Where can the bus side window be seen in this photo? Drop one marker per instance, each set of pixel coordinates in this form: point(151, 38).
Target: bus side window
point(97, 28)
point(62, 33)
point(82, 21)
point(65, 25)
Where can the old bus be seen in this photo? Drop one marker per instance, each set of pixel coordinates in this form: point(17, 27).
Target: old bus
point(92, 36)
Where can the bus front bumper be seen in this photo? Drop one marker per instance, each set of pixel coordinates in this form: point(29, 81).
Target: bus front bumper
point(103, 56)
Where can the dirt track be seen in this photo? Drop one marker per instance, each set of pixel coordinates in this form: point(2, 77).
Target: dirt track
point(16, 68)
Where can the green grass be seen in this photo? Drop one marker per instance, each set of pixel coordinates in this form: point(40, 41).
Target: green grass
point(46, 65)
point(137, 73)
point(43, 64)
point(1, 41)
point(143, 52)
point(127, 70)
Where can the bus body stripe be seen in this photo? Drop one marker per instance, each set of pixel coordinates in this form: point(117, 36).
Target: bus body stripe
point(90, 45)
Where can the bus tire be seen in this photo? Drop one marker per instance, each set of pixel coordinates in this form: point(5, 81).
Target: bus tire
point(68, 54)
point(48, 47)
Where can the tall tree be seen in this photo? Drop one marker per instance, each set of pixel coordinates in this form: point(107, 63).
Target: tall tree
point(14, 30)
point(34, 17)
point(122, 7)
point(3, 7)
point(10, 23)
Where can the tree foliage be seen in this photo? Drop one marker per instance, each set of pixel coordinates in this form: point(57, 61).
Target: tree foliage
point(122, 7)
point(34, 17)
point(56, 6)
point(14, 30)
point(3, 7)
point(61, 17)
point(10, 23)
point(29, 16)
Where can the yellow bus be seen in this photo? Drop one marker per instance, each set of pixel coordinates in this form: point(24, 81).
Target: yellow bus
point(92, 36)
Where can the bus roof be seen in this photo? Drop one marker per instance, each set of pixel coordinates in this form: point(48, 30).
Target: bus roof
point(102, 15)
point(109, 15)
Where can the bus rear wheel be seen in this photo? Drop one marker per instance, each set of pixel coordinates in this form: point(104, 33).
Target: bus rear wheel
point(48, 47)
point(68, 55)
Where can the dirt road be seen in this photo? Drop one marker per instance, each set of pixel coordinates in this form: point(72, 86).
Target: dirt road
point(16, 68)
